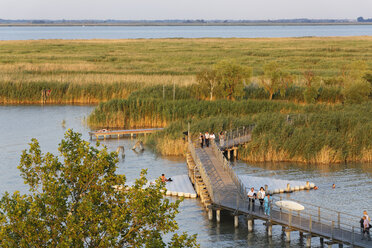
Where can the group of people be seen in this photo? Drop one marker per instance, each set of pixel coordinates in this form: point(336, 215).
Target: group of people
point(365, 225)
point(263, 198)
point(207, 137)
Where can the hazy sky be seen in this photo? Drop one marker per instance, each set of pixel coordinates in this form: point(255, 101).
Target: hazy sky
point(183, 9)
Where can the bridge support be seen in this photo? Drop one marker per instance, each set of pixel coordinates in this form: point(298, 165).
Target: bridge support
point(308, 240)
point(218, 215)
point(288, 235)
point(236, 221)
point(210, 214)
point(235, 152)
point(250, 223)
point(269, 227)
point(228, 154)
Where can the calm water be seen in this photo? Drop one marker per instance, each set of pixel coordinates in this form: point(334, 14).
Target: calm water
point(21, 123)
point(125, 32)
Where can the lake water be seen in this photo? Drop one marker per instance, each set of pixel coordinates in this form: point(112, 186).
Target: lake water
point(136, 32)
point(21, 123)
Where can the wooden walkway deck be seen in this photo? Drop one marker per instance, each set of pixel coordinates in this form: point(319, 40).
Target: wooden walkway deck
point(228, 193)
point(121, 133)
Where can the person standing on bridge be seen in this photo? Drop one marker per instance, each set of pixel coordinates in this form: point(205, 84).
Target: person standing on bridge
point(206, 136)
point(252, 196)
point(222, 138)
point(201, 140)
point(366, 228)
point(261, 196)
point(267, 204)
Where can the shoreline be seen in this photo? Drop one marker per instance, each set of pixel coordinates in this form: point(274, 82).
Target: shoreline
point(159, 24)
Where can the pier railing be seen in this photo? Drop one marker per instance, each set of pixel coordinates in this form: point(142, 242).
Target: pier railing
point(228, 168)
point(236, 136)
point(201, 168)
point(325, 222)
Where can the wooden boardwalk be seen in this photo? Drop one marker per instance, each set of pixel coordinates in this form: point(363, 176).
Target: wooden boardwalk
point(121, 133)
point(229, 194)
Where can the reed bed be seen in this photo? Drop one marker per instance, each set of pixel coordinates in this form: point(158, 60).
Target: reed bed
point(311, 134)
point(161, 61)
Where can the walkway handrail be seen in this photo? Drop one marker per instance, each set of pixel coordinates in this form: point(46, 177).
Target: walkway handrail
point(228, 168)
point(201, 168)
point(325, 214)
point(237, 136)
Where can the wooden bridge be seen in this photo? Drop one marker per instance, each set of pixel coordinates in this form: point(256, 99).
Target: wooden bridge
point(227, 193)
point(121, 133)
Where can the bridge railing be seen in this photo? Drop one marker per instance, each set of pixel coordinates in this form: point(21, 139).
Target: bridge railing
point(326, 222)
point(236, 136)
point(201, 168)
point(228, 168)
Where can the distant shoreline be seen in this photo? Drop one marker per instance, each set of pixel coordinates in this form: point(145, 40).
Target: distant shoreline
point(155, 24)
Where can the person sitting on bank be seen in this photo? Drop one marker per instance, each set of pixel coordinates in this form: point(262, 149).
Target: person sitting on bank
point(163, 178)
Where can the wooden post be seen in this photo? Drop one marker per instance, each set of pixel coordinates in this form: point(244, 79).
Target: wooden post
point(250, 224)
point(210, 214)
point(235, 152)
point(288, 187)
point(228, 154)
point(236, 221)
point(218, 215)
point(321, 241)
point(269, 229)
point(307, 185)
point(319, 214)
point(308, 240)
point(174, 91)
point(163, 92)
point(287, 235)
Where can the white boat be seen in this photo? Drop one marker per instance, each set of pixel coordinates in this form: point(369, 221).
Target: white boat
point(290, 205)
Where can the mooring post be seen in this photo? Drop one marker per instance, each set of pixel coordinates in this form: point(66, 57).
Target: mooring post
point(218, 215)
point(307, 185)
point(288, 187)
point(321, 241)
point(235, 152)
point(236, 221)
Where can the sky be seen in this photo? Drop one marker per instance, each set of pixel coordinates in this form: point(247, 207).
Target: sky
point(184, 9)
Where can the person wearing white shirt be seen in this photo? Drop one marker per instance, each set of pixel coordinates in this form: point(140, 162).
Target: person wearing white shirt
point(207, 136)
point(251, 195)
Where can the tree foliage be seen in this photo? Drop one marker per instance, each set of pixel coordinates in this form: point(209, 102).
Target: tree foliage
point(225, 80)
point(274, 79)
point(72, 203)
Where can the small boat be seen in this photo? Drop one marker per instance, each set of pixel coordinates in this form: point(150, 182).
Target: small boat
point(290, 205)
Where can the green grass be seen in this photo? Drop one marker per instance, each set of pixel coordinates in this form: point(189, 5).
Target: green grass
point(161, 61)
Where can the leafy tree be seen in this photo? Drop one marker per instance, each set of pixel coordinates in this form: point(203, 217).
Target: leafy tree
point(274, 79)
point(72, 203)
point(208, 82)
point(232, 77)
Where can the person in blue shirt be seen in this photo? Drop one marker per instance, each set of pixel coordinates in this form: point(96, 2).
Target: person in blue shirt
point(267, 204)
